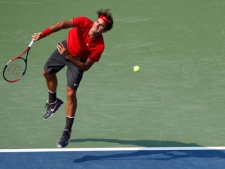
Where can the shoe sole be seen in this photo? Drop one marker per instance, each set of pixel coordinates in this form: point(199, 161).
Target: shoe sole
point(54, 112)
point(59, 146)
point(49, 116)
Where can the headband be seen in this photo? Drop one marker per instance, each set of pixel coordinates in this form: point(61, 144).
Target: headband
point(104, 18)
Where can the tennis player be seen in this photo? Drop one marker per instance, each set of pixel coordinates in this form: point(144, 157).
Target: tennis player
point(83, 47)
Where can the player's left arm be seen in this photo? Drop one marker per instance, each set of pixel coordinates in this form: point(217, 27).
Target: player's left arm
point(82, 65)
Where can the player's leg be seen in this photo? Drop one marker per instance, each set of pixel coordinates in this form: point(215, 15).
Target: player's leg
point(71, 106)
point(52, 83)
point(54, 64)
point(74, 76)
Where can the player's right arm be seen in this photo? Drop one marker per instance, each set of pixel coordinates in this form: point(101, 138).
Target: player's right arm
point(53, 28)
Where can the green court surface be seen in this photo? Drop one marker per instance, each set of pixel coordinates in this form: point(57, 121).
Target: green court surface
point(177, 99)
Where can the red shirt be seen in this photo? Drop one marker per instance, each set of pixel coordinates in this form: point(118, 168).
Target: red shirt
point(80, 45)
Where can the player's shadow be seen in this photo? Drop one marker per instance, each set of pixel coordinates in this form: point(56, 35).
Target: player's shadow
point(159, 155)
point(139, 143)
point(148, 155)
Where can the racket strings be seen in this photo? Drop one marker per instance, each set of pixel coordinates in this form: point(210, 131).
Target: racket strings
point(15, 69)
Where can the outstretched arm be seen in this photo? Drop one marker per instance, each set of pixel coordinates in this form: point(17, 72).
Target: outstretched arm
point(53, 28)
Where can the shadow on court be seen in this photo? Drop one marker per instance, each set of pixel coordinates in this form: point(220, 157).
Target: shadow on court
point(149, 155)
point(156, 155)
point(140, 143)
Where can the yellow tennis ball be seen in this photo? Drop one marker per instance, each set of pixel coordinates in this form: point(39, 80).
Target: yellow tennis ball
point(136, 68)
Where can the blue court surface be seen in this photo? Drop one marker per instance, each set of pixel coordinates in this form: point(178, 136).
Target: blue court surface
point(115, 158)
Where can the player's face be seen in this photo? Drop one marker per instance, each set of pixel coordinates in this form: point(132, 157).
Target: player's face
point(99, 26)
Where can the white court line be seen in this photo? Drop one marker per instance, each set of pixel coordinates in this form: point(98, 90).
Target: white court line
point(111, 149)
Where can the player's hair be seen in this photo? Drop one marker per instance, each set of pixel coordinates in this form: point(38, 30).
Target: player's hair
point(108, 15)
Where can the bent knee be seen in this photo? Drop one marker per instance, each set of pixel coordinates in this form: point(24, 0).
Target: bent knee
point(44, 73)
point(47, 75)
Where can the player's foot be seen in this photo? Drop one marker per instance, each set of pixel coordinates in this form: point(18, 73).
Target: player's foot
point(64, 139)
point(51, 108)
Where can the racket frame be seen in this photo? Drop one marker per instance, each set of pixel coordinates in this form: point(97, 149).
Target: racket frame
point(18, 57)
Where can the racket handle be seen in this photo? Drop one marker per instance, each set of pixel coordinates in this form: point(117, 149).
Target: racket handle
point(31, 44)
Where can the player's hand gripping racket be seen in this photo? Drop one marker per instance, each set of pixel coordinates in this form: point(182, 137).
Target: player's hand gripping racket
point(17, 66)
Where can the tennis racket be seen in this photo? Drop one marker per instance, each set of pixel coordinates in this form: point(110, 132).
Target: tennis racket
point(15, 69)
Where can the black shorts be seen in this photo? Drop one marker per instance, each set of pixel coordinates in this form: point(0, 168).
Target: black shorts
point(57, 61)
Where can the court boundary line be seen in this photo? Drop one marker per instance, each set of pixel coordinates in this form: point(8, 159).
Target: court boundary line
point(110, 149)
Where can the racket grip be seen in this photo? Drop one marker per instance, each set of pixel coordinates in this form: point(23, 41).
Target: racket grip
point(31, 44)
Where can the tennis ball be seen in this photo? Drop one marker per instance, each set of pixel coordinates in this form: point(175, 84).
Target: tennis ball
point(136, 68)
